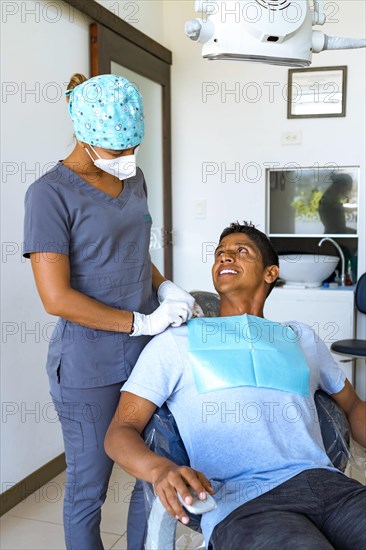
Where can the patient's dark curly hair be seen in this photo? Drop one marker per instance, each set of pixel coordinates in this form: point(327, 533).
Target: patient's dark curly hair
point(265, 247)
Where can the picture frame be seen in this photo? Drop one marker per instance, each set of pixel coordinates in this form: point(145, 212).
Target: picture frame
point(318, 92)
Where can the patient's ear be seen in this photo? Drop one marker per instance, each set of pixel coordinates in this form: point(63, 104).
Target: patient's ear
point(271, 273)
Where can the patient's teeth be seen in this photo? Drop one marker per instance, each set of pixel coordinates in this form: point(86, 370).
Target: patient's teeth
point(228, 271)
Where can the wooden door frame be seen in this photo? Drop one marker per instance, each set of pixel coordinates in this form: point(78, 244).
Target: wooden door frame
point(112, 39)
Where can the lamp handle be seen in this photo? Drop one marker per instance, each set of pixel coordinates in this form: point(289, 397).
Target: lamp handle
point(319, 17)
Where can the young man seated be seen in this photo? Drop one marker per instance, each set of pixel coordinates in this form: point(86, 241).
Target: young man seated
point(241, 389)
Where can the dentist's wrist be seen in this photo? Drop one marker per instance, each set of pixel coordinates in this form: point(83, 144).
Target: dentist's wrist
point(140, 324)
point(132, 324)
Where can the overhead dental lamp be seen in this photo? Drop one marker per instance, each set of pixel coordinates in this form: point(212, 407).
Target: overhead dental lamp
point(276, 32)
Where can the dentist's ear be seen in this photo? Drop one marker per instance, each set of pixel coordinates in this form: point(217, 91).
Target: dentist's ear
point(272, 273)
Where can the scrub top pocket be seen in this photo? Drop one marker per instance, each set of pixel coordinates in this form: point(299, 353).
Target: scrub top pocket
point(91, 358)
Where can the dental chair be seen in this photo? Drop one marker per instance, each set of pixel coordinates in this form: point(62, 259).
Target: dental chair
point(162, 436)
point(354, 348)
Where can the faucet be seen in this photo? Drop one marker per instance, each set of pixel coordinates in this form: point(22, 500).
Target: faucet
point(343, 274)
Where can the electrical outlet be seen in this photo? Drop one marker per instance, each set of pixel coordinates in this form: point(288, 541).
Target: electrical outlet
point(291, 138)
point(200, 209)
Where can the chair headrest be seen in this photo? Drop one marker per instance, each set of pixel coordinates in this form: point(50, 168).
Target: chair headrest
point(209, 302)
point(360, 294)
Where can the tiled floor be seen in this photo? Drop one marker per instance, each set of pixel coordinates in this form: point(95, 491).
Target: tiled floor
point(36, 523)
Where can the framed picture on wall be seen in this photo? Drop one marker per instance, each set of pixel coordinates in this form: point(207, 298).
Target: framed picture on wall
point(317, 92)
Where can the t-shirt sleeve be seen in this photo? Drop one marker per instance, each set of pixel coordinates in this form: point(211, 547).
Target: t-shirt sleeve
point(46, 221)
point(157, 371)
point(332, 378)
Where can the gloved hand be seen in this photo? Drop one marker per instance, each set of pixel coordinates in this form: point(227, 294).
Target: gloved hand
point(170, 312)
point(170, 290)
point(167, 289)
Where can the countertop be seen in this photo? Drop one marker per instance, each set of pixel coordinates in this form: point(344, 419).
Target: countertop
point(317, 288)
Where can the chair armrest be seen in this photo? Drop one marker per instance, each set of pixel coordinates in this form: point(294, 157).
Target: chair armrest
point(334, 428)
point(161, 528)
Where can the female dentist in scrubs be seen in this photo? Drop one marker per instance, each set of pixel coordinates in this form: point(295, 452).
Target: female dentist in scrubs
point(87, 233)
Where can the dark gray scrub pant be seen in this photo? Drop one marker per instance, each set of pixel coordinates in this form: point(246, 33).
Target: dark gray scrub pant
point(85, 415)
point(316, 510)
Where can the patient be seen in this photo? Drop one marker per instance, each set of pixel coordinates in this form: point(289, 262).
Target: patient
point(254, 445)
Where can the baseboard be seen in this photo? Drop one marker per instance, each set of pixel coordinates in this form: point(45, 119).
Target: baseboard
point(31, 483)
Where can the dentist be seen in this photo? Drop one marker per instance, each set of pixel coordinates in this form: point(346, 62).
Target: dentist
point(87, 233)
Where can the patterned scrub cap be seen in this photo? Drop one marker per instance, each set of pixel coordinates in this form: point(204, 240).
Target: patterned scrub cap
point(107, 111)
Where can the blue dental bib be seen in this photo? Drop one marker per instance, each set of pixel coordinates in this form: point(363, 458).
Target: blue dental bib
point(244, 350)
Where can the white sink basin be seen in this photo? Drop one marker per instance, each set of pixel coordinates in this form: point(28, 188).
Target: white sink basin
point(308, 270)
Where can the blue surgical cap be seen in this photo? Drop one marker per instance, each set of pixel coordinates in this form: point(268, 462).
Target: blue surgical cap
point(107, 111)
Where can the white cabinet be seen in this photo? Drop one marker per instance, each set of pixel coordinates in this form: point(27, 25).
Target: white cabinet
point(330, 313)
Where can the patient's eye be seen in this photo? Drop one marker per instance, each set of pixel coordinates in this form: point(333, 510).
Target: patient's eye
point(242, 249)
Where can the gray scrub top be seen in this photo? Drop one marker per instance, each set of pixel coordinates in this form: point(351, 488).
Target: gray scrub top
point(107, 240)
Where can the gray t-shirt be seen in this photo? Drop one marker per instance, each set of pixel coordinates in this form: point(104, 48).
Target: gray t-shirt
point(246, 440)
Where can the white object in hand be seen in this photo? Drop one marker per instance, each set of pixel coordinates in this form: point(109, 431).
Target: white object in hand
point(170, 312)
point(198, 506)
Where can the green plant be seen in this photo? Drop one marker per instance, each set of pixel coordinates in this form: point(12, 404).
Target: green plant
point(306, 207)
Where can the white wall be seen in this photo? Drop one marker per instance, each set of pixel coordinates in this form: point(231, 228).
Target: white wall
point(36, 131)
point(217, 129)
point(144, 15)
point(223, 130)
point(42, 44)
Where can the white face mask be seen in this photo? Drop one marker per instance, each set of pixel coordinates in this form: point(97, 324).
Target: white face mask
point(121, 167)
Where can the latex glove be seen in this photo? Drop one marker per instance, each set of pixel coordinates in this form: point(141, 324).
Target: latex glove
point(169, 290)
point(170, 312)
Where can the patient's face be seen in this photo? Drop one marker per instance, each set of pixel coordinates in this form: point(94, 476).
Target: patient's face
point(238, 264)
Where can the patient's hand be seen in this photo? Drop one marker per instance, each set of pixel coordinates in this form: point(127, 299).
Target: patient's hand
point(171, 479)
